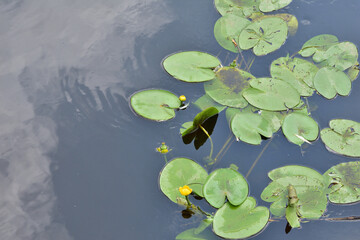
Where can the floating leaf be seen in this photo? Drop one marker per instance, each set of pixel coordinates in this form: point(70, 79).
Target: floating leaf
point(225, 183)
point(227, 29)
point(330, 81)
point(249, 127)
point(291, 21)
point(273, 5)
point(341, 56)
point(310, 192)
point(242, 8)
point(317, 46)
point(238, 222)
point(274, 118)
point(299, 128)
point(191, 66)
point(204, 120)
point(292, 217)
point(295, 170)
point(295, 72)
point(271, 94)
point(264, 36)
point(345, 182)
point(180, 172)
point(228, 86)
point(342, 137)
point(186, 126)
point(205, 102)
point(155, 104)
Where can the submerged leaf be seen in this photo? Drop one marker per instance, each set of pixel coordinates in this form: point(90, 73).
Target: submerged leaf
point(191, 66)
point(330, 81)
point(242, 8)
point(271, 94)
point(264, 36)
point(273, 5)
point(205, 102)
point(345, 179)
point(225, 183)
point(342, 137)
point(299, 128)
point(155, 104)
point(227, 30)
point(179, 172)
point(238, 222)
point(228, 86)
point(317, 46)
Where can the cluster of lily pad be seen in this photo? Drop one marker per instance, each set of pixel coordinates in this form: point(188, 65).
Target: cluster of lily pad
point(296, 192)
point(256, 108)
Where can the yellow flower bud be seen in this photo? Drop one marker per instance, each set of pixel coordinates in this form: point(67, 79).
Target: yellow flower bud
point(185, 190)
point(182, 98)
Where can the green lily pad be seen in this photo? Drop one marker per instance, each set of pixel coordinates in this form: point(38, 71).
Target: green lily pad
point(292, 217)
point(317, 46)
point(295, 170)
point(238, 222)
point(311, 193)
point(249, 127)
point(202, 232)
point(291, 21)
point(155, 104)
point(242, 8)
point(341, 56)
point(228, 86)
point(205, 102)
point(345, 179)
point(186, 126)
point(191, 66)
point(271, 94)
point(342, 137)
point(295, 72)
point(227, 29)
point(179, 172)
point(329, 81)
point(273, 5)
point(299, 128)
point(353, 72)
point(225, 183)
point(274, 118)
point(264, 36)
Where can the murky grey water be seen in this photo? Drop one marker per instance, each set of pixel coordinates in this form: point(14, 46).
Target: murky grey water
point(76, 163)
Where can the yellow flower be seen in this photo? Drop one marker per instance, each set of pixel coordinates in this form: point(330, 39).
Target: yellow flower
point(182, 98)
point(164, 151)
point(185, 190)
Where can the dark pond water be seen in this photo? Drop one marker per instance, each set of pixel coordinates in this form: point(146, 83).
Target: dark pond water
point(76, 163)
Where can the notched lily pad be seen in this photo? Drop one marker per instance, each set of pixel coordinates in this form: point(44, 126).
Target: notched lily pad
point(295, 170)
point(238, 222)
point(191, 66)
point(227, 29)
point(341, 56)
point(225, 183)
point(317, 46)
point(228, 86)
point(271, 94)
point(179, 172)
point(205, 102)
point(329, 81)
point(273, 5)
point(297, 72)
point(155, 104)
point(291, 21)
point(242, 8)
point(342, 137)
point(299, 128)
point(264, 36)
point(345, 182)
point(249, 127)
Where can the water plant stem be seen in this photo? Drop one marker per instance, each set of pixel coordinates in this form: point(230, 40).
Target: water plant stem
point(223, 148)
point(258, 157)
point(165, 158)
point(211, 142)
point(239, 50)
point(188, 201)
